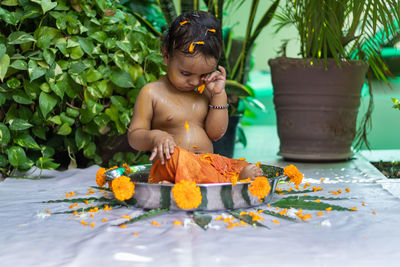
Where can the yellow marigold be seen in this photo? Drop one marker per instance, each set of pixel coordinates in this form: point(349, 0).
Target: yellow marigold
point(127, 170)
point(260, 187)
point(234, 179)
point(293, 173)
point(187, 195)
point(123, 188)
point(100, 177)
point(177, 222)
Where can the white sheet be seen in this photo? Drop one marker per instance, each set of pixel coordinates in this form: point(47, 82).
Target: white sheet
point(31, 237)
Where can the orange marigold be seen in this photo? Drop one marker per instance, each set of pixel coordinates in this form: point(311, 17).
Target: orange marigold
point(260, 187)
point(293, 173)
point(187, 195)
point(100, 177)
point(123, 188)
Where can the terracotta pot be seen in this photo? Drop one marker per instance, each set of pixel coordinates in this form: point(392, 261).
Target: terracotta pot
point(316, 108)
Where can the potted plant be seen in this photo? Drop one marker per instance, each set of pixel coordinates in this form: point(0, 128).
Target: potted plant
point(69, 79)
point(238, 65)
point(317, 97)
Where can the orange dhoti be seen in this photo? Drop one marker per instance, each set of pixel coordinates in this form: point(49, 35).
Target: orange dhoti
point(199, 168)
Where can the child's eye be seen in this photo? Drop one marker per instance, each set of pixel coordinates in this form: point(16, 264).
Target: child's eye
point(185, 73)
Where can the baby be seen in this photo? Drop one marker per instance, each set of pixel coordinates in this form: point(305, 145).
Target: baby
point(187, 108)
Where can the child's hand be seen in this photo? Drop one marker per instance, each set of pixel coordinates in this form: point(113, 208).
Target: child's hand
point(215, 81)
point(163, 147)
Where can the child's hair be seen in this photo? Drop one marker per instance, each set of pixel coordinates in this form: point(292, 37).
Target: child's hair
point(194, 32)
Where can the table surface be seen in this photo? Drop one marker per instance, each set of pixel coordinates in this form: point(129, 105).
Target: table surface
point(31, 237)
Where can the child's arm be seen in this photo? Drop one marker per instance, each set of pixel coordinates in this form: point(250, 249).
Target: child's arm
point(140, 134)
point(217, 118)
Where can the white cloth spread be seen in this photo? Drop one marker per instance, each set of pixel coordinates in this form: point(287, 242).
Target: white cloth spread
point(29, 236)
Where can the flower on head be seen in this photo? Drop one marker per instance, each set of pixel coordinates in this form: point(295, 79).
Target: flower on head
point(211, 30)
point(100, 177)
point(127, 170)
point(183, 22)
point(187, 195)
point(260, 187)
point(123, 188)
point(293, 173)
point(192, 45)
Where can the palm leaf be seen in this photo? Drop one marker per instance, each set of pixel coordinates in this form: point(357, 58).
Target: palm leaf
point(276, 214)
point(147, 214)
point(147, 24)
point(202, 219)
point(246, 218)
point(299, 203)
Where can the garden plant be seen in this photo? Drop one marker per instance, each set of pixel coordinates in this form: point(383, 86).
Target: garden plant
point(70, 72)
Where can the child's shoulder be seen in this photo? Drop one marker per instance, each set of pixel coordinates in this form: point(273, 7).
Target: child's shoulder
point(154, 87)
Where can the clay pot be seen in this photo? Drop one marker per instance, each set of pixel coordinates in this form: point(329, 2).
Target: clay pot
point(316, 107)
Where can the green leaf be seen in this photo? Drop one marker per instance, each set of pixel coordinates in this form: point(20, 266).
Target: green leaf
point(39, 132)
point(121, 78)
point(20, 38)
point(22, 98)
point(202, 219)
point(19, 124)
point(46, 163)
point(90, 150)
point(81, 138)
point(246, 218)
point(76, 52)
point(13, 83)
point(3, 161)
point(45, 4)
point(16, 156)
point(226, 196)
point(299, 203)
point(3, 50)
point(27, 141)
point(65, 129)
point(86, 44)
point(34, 70)
point(235, 88)
point(4, 63)
point(10, 2)
point(278, 215)
point(146, 215)
point(46, 103)
point(19, 64)
point(93, 75)
point(99, 36)
point(4, 135)
point(56, 119)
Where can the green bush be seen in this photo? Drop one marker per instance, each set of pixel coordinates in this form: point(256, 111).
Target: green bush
point(70, 72)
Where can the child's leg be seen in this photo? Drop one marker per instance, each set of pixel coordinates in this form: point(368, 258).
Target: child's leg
point(251, 171)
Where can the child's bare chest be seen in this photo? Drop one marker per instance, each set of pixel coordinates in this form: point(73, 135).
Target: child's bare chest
point(172, 111)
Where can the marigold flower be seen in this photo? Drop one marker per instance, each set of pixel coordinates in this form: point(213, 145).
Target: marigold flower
point(374, 212)
point(283, 212)
point(218, 218)
point(293, 173)
point(187, 195)
point(192, 45)
point(92, 224)
point(258, 164)
point(241, 158)
point(322, 180)
point(75, 213)
point(211, 30)
point(91, 215)
point(354, 208)
point(155, 223)
point(245, 180)
point(318, 200)
point(297, 187)
point(260, 187)
point(122, 226)
point(100, 177)
point(243, 213)
point(201, 88)
point(328, 209)
point(234, 179)
point(177, 223)
point(48, 211)
point(106, 208)
point(127, 217)
point(269, 205)
point(243, 223)
point(183, 22)
point(127, 170)
point(306, 216)
point(86, 202)
point(104, 220)
point(320, 213)
point(275, 221)
point(123, 188)
point(347, 190)
point(135, 233)
point(363, 203)
point(84, 223)
point(71, 206)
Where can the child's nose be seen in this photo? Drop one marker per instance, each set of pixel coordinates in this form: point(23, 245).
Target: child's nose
point(194, 82)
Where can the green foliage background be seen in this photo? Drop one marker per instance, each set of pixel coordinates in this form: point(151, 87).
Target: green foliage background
point(70, 72)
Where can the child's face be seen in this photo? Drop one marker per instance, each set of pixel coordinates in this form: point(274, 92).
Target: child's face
point(186, 72)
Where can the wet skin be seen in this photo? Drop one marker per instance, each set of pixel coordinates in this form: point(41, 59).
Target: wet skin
point(163, 107)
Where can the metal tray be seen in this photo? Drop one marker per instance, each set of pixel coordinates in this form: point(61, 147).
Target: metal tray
point(216, 196)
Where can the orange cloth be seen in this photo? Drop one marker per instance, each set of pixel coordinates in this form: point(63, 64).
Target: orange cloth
point(199, 168)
